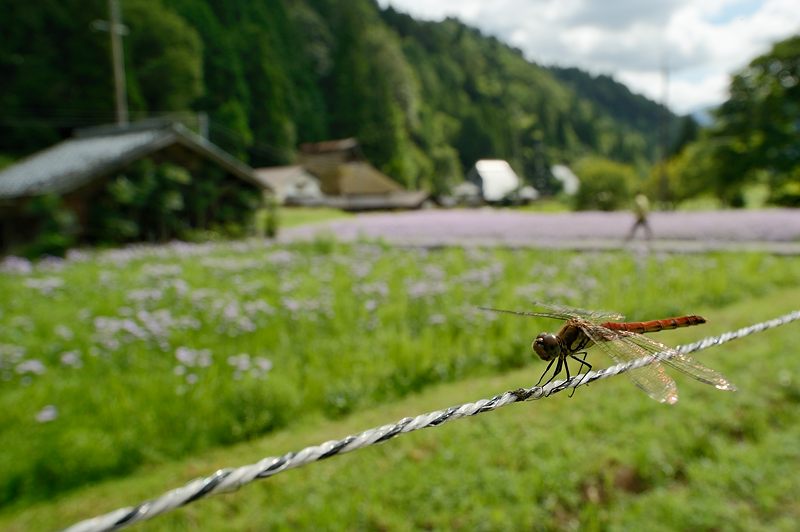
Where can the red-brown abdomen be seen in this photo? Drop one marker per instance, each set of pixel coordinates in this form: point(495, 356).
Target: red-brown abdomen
point(655, 325)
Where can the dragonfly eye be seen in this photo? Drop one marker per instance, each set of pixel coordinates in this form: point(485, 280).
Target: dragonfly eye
point(546, 346)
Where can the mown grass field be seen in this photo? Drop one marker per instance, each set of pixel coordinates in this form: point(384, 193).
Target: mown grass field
point(155, 364)
point(294, 216)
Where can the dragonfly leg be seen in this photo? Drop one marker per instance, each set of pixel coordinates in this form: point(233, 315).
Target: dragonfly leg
point(582, 363)
point(566, 367)
point(545, 372)
point(556, 372)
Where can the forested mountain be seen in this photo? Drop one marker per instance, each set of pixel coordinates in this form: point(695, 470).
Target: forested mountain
point(426, 99)
point(614, 98)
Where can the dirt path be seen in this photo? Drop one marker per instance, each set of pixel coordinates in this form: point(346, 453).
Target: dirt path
point(776, 230)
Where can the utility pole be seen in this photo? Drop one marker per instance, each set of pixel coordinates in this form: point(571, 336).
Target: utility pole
point(202, 124)
point(116, 30)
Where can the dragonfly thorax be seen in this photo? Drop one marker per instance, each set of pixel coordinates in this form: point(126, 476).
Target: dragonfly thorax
point(547, 346)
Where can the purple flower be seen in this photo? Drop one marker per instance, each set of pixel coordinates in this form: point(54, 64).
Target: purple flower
point(281, 257)
point(240, 362)
point(16, 265)
point(71, 359)
point(31, 366)
point(47, 414)
point(437, 319)
point(420, 289)
point(263, 364)
point(257, 366)
point(200, 358)
point(45, 285)
point(64, 332)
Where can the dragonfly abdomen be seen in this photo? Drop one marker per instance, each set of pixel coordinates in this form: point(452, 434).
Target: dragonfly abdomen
point(640, 327)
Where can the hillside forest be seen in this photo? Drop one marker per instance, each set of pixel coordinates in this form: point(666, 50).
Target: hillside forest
point(425, 99)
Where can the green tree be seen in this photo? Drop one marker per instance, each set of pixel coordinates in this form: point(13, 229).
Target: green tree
point(757, 130)
point(55, 70)
point(426, 99)
point(164, 56)
point(604, 184)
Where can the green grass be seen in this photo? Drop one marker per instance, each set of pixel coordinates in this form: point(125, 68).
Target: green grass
point(609, 458)
point(754, 197)
point(294, 216)
point(152, 355)
point(548, 205)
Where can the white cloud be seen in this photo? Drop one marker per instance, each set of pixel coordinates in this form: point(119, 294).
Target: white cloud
point(702, 42)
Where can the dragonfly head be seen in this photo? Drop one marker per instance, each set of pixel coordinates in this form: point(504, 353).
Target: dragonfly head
point(546, 345)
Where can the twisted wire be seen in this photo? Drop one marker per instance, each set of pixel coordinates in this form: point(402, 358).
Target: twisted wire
point(230, 479)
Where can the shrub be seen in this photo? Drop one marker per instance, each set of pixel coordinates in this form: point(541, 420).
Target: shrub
point(605, 185)
point(160, 202)
point(57, 227)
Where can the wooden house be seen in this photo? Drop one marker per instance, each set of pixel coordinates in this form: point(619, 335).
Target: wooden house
point(292, 185)
point(78, 169)
point(350, 182)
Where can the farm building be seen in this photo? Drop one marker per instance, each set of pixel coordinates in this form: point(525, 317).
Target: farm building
point(496, 180)
point(467, 193)
point(147, 181)
point(323, 159)
point(292, 185)
point(352, 183)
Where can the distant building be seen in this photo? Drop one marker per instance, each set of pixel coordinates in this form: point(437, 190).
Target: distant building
point(569, 181)
point(526, 194)
point(77, 170)
point(323, 159)
point(292, 185)
point(495, 179)
point(467, 194)
point(352, 183)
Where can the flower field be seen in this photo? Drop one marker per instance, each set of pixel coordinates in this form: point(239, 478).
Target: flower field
point(118, 359)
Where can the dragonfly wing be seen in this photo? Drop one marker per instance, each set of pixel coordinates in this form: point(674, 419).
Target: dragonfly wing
point(554, 315)
point(591, 315)
point(652, 379)
point(683, 363)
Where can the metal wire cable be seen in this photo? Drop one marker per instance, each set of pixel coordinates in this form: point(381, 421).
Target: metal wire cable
point(230, 479)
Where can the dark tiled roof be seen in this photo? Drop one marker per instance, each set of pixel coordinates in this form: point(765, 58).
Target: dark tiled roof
point(328, 146)
point(75, 162)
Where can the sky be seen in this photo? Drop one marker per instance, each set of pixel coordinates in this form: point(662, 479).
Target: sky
point(702, 42)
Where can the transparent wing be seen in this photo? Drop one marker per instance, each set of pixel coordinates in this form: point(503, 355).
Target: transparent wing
point(683, 363)
point(554, 315)
point(592, 315)
point(562, 313)
point(651, 379)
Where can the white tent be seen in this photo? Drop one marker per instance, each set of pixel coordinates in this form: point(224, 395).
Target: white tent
point(495, 178)
point(569, 181)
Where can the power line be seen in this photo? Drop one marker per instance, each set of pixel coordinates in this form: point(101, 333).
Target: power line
point(230, 479)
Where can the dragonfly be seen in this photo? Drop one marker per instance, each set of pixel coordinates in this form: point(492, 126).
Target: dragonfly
point(622, 342)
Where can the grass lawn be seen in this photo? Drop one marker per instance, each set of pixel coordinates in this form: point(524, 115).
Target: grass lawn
point(609, 458)
point(294, 216)
point(125, 364)
point(547, 205)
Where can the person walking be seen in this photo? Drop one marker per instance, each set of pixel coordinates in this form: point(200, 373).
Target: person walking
point(641, 209)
